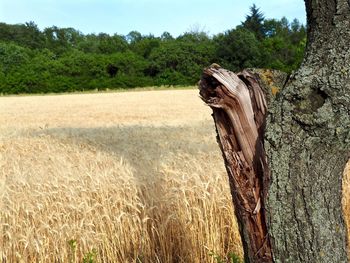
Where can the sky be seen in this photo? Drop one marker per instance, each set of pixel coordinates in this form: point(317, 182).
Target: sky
point(146, 16)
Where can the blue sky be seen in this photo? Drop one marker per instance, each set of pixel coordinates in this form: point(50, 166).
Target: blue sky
point(145, 16)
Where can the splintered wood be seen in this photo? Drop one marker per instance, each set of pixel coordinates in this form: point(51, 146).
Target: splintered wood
point(239, 111)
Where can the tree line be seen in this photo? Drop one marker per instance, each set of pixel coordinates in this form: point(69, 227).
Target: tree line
point(64, 59)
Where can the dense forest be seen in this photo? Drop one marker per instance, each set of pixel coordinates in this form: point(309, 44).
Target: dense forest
point(64, 59)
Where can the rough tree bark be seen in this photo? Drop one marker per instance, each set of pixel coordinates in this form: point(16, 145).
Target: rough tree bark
point(307, 142)
point(297, 215)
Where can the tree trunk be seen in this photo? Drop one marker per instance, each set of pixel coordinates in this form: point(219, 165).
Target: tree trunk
point(307, 142)
point(239, 112)
point(307, 139)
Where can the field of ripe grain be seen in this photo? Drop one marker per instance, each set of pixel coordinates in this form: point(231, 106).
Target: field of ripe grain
point(119, 177)
point(125, 177)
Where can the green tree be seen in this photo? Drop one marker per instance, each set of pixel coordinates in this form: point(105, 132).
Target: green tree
point(238, 49)
point(145, 45)
point(166, 36)
point(13, 56)
point(107, 44)
point(180, 61)
point(254, 22)
point(133, 37)
point(283, 47)
point(27, 35)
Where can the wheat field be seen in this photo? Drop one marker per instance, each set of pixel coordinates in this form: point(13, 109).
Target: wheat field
point(113, 177)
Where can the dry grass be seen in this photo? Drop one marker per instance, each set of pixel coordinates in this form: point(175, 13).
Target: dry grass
point(131, 175)
point(136, 176)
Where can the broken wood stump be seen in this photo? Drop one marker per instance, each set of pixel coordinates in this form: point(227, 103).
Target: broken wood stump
point(239, 107)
